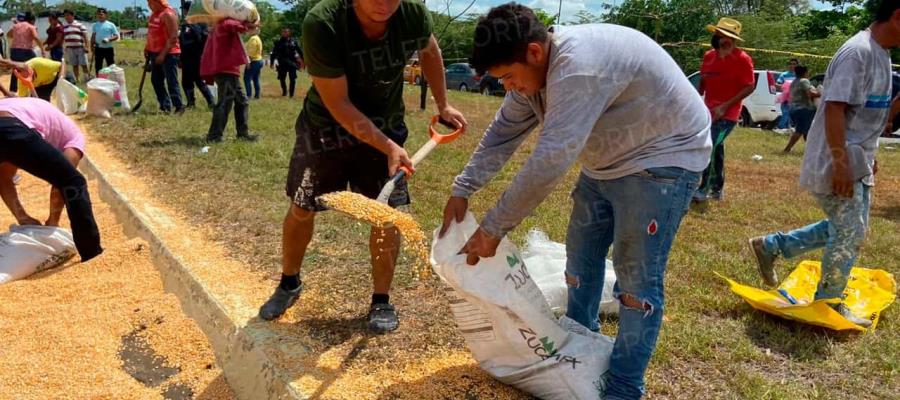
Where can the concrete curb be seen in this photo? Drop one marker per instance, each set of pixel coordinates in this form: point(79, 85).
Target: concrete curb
point(238, 347)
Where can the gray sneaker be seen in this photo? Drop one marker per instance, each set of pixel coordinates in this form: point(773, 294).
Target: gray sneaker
point(280, 301)
point(383, 318)
point(845, 312)
point(765, 262)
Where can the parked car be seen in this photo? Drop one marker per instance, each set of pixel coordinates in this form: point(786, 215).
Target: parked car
point(759, 108)
point(492, 86)
point(412, 73)
point(463, 77)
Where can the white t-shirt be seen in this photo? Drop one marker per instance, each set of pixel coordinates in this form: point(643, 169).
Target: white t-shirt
point(859, 75)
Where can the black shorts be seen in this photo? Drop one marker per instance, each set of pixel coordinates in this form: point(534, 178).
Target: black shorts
point(324, 162)
point(44, 91)
point(803, 118)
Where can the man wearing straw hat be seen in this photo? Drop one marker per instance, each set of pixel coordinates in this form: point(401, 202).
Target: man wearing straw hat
point(726, 78)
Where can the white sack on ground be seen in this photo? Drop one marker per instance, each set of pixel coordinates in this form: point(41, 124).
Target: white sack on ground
point(509, 327)
point(26, 250)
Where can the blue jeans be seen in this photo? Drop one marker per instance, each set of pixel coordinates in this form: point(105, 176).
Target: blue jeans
point(639, 215)
point(165, 82)
point(785, 121)
point(251, 75)
point(714, 175)
point(842, 236)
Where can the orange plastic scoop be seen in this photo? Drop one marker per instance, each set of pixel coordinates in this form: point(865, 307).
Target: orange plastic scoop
point(435, 139)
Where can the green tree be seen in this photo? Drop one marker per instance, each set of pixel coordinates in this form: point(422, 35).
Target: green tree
point(585, 17)
point(11, 7)
point(545, 17)
point(272, 20)
point(293, 17)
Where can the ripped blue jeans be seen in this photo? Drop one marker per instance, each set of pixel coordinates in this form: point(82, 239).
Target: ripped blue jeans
point(638, 215)
point(842, 235)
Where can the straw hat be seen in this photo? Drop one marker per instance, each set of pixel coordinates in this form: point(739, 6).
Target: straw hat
point(728, 27)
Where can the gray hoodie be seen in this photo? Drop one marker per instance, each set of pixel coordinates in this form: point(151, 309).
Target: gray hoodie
point(614, 100)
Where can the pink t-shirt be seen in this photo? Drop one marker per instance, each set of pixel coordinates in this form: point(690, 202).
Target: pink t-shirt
point(785, 96)
point(55, 127)
point(23, 35)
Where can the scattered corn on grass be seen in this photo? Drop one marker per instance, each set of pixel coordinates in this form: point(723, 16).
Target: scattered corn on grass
point(381, 215)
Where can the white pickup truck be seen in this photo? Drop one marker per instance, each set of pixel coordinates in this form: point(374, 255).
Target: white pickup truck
point(760, 107)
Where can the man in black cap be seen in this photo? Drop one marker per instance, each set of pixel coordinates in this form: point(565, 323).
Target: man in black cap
point(193, 39)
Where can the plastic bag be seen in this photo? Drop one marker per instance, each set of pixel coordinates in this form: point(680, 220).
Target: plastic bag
point(546, 261)
point(70, 99)
point(26, 250)
point(508, 325)
point(869, 291)
point(101, 97)
point(241, 10)
point(117, 75)
point(214, 90)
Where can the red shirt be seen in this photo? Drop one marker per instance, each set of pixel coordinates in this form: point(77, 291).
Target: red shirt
point(224, 53)
point(723, 78)
point(157, 35)
point(53, 33)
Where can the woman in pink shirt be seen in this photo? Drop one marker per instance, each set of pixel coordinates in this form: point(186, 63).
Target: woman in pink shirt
point(38, 138)
point(24, 37)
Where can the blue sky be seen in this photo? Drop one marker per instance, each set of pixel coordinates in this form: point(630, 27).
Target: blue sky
point(569, 7)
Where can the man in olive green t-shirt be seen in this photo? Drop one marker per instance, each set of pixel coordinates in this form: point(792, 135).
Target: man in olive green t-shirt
point(351, 130)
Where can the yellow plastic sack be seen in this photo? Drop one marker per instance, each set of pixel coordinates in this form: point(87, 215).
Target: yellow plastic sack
point(869, 291)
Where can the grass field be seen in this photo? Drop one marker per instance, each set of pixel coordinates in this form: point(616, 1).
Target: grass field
point(712, 345)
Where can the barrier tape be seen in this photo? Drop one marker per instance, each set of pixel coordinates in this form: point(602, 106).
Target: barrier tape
point(751, 49)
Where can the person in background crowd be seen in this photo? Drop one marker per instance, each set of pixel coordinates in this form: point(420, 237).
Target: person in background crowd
point(790, 74)
point(251, 72)
point(839, 164)
point(726, 78)
point(102, 38)
point(785, 78)
point(44, 74)
point(783, 100)
point(288, 56)
point(192, 39)
point(55, 34)
point(803, 106)
point(163, 52)
point(222, 60)
point(76, 45)
point(39, 139)
point(24, 37)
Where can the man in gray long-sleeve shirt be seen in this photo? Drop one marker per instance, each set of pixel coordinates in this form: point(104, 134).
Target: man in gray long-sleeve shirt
point(611, 98)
